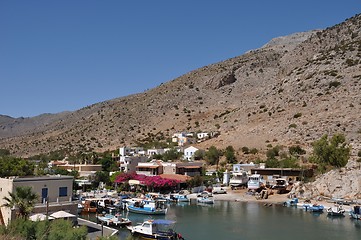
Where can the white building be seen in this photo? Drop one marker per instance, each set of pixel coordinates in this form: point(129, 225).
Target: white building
point(152, 168)
point(202, 135)
point(130, 163)
point(151, 152)
point(189, 153)
point(130, 151)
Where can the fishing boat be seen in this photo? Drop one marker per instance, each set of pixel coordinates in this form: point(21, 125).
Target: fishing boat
point(255, 182)
point(205, 199)
point(150, 207)
point(336, 211)
point(178, 197)
point(291, 202)
point(156, 229)
point(239, 179)
point(114, 220)
point(313, 207)
point(355, 212)
point(280, 185)
point(92, 205)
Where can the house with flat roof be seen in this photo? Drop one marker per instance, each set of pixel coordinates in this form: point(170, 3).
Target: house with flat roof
point(84, 170)
point(151, 168)
point(129, 163)
point(54, 194)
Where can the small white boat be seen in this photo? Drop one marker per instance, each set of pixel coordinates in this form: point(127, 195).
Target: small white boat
point(177, 197)
point(156, 229)
point(205, 199)
point(336, 210)
point(114, 220)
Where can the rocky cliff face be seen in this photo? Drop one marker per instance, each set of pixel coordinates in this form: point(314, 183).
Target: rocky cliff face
point(339, 183)
point(292, 90)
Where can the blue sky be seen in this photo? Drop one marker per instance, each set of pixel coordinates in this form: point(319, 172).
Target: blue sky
point(64, 55)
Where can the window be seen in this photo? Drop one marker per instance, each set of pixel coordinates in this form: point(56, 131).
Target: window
point(63, 191)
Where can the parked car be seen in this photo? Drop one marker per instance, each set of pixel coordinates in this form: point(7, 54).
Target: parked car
point(219, 190)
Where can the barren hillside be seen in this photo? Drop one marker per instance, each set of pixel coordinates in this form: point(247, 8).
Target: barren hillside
point(292, 90)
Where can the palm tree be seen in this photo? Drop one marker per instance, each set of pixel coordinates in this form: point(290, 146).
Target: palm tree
point(24, 199)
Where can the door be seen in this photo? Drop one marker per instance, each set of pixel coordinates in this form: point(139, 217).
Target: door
point(44, 194)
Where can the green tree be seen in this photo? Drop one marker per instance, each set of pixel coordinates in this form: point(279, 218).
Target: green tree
point(171, 154)
point(24, 199)
point(195, 182)
point(100, 176)
point(289, 162)
point(108, 164)
point(212, 155)
point(199, 155)
point(296, 150)
point(230, 155)
point(333, 152)
point(4, 152)
point(58, 229)
point(11, 166)
point(272, 163)
point(273, 152)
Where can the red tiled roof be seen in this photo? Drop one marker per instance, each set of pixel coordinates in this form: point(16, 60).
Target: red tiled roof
point(179, 177)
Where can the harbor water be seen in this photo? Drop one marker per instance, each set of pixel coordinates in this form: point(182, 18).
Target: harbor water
point(244, 221)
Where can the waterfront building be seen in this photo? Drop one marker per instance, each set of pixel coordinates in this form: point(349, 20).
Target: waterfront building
point(54, 192)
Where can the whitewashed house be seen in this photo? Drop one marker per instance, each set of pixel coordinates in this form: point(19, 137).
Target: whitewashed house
point(202, 135)
point(181, 138)
point(151, 152)
point(130, 163)
point(130, 151)
point(189, 153)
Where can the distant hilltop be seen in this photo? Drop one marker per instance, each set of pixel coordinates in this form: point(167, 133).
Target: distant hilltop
point(291, 91)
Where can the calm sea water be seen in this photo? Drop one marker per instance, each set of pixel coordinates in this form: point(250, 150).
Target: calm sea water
point(244, 221)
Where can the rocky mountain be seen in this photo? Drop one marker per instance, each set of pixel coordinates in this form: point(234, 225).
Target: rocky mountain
point(291, 91)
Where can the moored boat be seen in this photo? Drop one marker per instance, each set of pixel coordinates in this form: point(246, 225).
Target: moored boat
point(150, 207)
point(291, 202)
point(313, 207)
point(205, 199)
point(355, 212)
point(156, 229)
point(178, 197)
point(336, 211)
point(114, 220)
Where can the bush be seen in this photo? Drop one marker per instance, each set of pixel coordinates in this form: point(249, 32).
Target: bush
point(334, 84)
point(297, 115)
point(245, 150)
